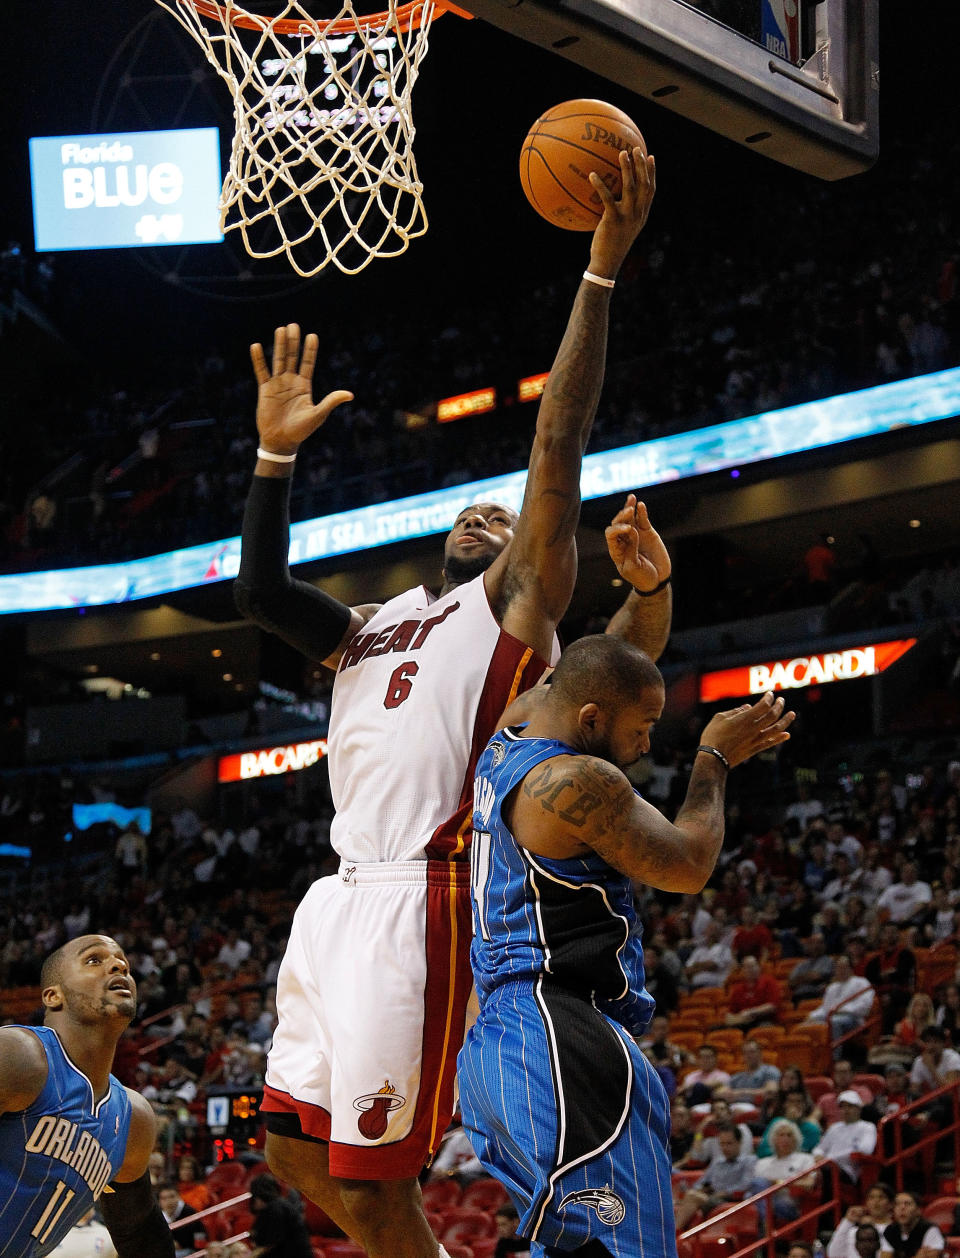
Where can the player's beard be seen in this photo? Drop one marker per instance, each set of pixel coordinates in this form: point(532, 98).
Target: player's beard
point(459, 569)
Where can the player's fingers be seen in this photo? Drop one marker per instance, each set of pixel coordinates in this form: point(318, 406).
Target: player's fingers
point(259, 361)
point(597, 184)
point(640, 514)
point(330, 402)
point(778, 726)
point(624, 515)
point(623, 530)
point(293, 346)
point(279, 340)
point(762, 708)
point(651, 172)
point(307, 363)
point(628, 168)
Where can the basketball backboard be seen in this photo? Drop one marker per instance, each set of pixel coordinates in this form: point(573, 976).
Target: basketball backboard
point(795, 80)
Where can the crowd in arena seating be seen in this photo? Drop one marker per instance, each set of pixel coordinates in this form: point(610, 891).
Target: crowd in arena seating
point(811, 947)
point(821, 914)
point(147, 463)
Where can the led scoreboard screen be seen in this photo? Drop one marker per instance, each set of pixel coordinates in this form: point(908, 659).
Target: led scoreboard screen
point(126, 189)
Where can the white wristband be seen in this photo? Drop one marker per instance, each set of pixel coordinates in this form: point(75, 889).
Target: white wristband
point(274, 458)
point(599, 279)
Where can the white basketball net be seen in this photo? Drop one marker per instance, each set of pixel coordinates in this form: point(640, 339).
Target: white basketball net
point(322, 165)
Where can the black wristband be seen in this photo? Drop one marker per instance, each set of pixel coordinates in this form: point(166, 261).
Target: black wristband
point(714, 751)
point(134, 1220)
point(656, 589)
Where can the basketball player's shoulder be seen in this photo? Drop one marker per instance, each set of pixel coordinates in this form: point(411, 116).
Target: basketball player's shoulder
point(600, 776)
point(23, 1067)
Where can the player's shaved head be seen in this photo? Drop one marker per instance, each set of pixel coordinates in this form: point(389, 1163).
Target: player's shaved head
point(51, 972)
point(604, 670)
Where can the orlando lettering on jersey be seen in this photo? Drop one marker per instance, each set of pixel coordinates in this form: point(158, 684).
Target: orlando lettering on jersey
point(408, 635)
point(62, 1139)
point(58, 1154)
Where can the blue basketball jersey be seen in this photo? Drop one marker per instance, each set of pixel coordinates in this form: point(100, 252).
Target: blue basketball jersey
point(58, 1154)
point(557, 1099)
point(573, 920)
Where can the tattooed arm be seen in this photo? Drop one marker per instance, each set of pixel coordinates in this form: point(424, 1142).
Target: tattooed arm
point(531, 583)
point(572, 804)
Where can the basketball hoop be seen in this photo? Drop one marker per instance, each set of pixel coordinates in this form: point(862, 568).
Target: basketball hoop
point(322, 166)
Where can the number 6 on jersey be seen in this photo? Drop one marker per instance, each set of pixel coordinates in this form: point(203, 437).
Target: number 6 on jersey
point(400, 684)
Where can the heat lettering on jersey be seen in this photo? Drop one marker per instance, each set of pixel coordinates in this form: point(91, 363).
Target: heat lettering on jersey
point(408, 635)
point(62, 1139)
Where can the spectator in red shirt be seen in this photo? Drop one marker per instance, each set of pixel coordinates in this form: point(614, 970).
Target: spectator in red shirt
point(755, 998)
point(752, 938)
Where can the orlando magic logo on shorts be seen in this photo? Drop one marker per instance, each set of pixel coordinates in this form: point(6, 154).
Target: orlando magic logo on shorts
point(608, 1206)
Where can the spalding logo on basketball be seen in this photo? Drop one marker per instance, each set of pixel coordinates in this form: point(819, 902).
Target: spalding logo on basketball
point(375, 1106)
point(561, 149)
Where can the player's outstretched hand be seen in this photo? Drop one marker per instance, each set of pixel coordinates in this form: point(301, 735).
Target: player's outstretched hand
point(286, 414)
point(624, 218)
point(636, 547)
point(749, 729)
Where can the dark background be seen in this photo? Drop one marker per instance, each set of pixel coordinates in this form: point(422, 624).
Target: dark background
point(478, 93)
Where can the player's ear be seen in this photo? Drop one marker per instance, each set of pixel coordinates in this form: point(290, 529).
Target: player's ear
point(52, 996)
point(588, 718)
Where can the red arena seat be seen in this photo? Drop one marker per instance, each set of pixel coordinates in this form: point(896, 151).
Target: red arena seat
point(941, 1212)
point(440, 1193)
point(463, 1224)
point(484, 1194)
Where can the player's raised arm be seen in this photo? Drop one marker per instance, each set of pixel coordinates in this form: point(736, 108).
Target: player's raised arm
point(572, 803)
point(642, 561)
point(531, 584)
point(264, 591)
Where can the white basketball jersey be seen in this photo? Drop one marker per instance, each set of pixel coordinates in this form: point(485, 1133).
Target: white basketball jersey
point(418, 694)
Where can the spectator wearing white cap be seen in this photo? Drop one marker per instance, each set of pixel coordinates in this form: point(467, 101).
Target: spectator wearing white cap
point(852, 1134)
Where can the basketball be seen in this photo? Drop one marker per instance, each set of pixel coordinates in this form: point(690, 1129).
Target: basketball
point(561, 149)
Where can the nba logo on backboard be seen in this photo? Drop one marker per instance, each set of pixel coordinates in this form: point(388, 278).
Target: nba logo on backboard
point(218, 1112)
point(781, 28)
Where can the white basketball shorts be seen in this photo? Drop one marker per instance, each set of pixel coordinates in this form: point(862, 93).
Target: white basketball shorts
point(372, 996)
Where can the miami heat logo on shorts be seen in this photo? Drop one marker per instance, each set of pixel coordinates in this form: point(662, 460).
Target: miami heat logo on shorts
point(608, 1206)
point(375, 1107)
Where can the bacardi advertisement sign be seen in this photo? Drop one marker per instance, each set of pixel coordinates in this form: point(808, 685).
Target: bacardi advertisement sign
point(475, 403)
point(803, 670)
point(270, 761)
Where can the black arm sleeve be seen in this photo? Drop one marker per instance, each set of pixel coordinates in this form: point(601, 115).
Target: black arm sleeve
point(264, 591)
point(134, 1220)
